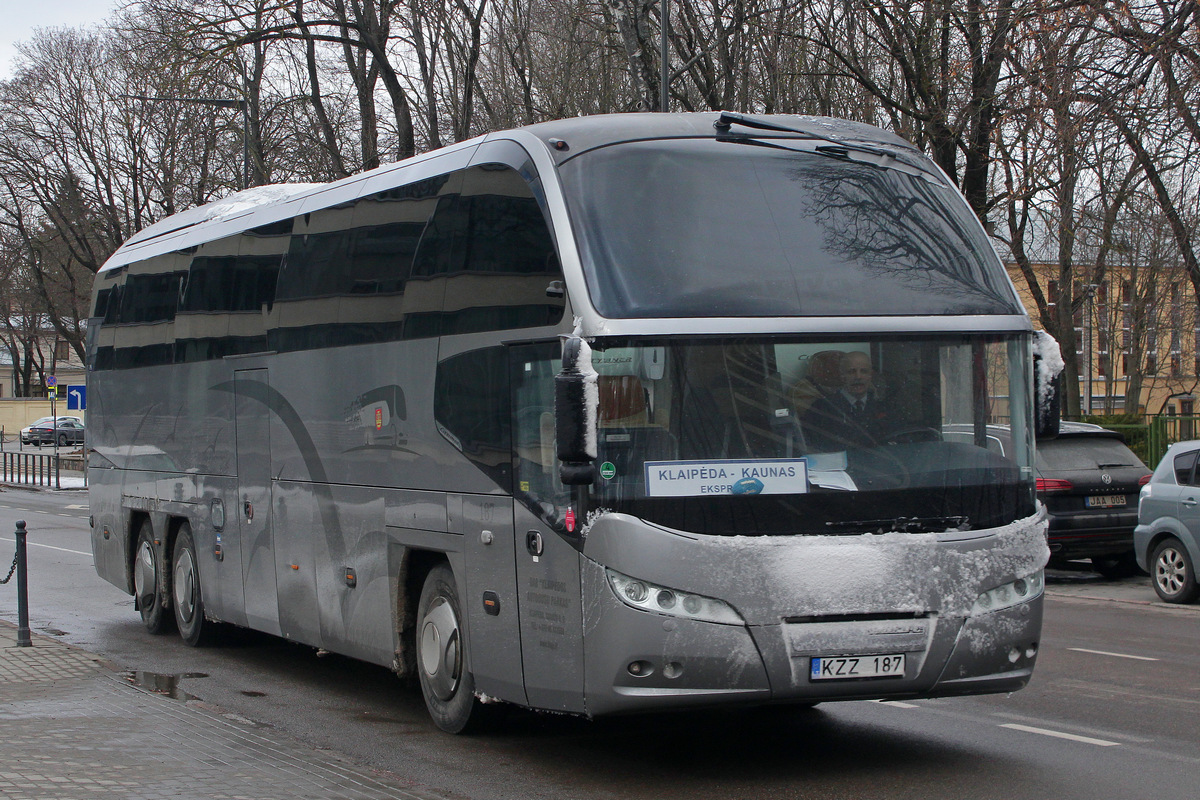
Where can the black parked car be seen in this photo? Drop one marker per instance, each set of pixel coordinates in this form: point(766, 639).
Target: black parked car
point(67, 431)
point(1089, 482)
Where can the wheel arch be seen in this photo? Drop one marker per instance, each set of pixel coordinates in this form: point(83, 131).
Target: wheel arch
point(415, 566)
point(133, 524)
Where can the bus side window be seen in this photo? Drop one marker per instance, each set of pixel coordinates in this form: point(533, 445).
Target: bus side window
point(505, 262)
point(472, 411)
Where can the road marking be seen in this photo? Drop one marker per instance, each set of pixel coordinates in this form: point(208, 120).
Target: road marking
point(1060, 735)
point(76, 506)
point(1114, 655)
point(896, 703)
point(47, 546)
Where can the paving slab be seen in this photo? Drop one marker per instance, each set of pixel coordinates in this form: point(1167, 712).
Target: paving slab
point(73, 726)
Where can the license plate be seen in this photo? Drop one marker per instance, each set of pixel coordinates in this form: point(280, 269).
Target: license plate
point(1105, 501)
point(845, 667)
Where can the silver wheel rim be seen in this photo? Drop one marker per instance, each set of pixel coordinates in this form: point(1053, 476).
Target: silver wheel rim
point(185, 586)
point(144, 575)
point(1170, 571)
point(440, 655)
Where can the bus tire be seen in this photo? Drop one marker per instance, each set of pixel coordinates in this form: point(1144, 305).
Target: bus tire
point(149, 589)
point(446, 684)
point(189, 601)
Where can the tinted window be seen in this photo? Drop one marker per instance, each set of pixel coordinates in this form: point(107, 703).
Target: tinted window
point(230, 286)
point(230, 283)
point(493, 246)
point(1074, 453)
point(715, 228)
point(473, 410)
point(142, 314)
point(348, 277)
point(150, 298)
point(1183, 468)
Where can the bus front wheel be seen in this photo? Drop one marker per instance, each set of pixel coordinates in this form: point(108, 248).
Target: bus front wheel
point(189, 601)
point(148, 590)
point(446, 683)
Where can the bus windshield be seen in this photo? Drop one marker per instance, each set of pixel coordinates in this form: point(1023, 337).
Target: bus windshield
point(703, 228)
point(777, 436)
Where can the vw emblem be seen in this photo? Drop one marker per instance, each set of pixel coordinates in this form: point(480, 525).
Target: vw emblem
point(1104, 476)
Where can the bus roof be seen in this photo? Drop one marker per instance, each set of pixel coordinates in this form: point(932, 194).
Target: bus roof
point(564, 139)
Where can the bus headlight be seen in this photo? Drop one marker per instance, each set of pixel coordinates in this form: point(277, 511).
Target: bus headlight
point(1010, 594)
point(647, 596)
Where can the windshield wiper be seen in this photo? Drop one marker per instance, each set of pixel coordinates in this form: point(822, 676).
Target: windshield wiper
point(902, 525)
point(730, 118)
point(839, 148)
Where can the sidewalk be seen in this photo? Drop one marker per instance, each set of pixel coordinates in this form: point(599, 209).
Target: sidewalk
point(73, 727)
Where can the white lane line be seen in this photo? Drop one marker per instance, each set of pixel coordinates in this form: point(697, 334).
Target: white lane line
point(1060, 735)
point(47, 546)
point(1114, 655)
point(896, 703)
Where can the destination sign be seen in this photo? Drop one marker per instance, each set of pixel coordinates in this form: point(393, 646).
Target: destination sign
point(726, 477)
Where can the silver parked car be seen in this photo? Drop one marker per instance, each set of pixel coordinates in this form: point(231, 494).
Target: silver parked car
point(1166, 539)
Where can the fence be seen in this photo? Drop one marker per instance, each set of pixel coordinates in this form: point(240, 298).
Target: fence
point(35, 469)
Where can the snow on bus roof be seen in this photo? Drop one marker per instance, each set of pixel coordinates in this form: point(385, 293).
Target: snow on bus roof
point(234, 205)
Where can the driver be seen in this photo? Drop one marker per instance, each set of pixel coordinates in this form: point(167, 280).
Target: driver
point(854, 415)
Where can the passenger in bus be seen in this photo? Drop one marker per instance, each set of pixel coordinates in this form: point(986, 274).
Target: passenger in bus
point(851, 417)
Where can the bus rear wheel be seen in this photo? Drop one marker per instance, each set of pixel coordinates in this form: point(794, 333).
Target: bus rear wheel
point(189, 601)
point(148, 589)
point(446, 683)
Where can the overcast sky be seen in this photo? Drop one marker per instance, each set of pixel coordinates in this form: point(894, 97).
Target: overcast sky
point(18, 18)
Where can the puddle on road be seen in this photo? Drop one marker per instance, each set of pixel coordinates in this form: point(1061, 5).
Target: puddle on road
point(166, 685)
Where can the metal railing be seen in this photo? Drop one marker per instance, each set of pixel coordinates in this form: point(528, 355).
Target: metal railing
point(36, 469)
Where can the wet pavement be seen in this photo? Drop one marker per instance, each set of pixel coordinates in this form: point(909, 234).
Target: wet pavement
point(1086, 584)
point(74, 726)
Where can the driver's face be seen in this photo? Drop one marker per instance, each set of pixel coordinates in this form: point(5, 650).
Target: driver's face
point(857, 374)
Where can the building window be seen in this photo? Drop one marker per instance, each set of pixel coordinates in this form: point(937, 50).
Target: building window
point(62, 350)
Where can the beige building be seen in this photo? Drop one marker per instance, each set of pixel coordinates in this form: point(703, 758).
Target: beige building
point(1126, 324)
point(69, 373)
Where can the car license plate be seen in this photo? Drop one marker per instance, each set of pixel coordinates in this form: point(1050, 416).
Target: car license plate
point(1105, 501)
point(845, 667)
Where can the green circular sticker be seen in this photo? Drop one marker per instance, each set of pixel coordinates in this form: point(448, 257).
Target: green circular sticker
point(608, 471)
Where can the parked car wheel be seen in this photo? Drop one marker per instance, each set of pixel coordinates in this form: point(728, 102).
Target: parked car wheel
point(1173, 573)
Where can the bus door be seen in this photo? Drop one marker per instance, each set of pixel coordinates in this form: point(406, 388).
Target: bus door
point(548, 582)
point(253, 431)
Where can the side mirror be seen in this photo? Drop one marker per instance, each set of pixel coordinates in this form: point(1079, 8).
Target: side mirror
point(576, 404)
point(1047, 390)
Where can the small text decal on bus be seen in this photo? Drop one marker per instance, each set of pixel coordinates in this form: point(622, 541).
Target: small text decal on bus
point(741, 477)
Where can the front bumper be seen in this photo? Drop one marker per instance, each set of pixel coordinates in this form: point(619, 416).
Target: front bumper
point(640, 661)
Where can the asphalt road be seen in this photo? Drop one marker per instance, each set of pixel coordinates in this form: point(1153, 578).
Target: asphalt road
point(1111, 711)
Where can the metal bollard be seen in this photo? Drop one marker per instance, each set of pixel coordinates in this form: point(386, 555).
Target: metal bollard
point(23, 639)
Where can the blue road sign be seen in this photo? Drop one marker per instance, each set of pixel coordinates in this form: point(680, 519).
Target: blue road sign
point(77, 398)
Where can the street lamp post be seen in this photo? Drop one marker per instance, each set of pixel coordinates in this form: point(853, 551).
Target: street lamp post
point(1088, 327)
point(219, 103)
point(665, 65)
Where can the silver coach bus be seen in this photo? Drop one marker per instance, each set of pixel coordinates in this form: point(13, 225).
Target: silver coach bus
point(538, 418)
